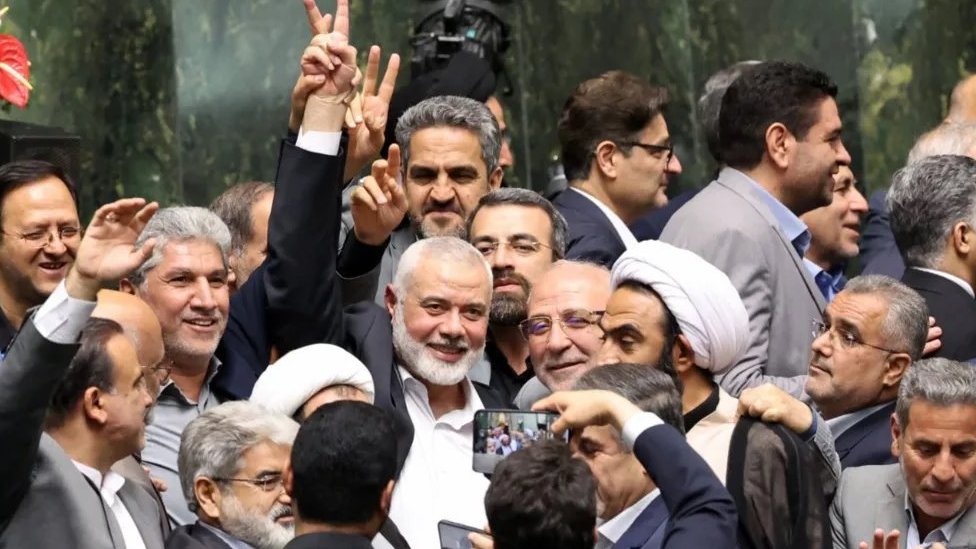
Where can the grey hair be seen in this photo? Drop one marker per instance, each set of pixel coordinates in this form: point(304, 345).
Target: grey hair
point(181, 224)
point(643, 385)
point(455, 112)
point(213, 444)
point(710, 102)
point(234, 206)
point(524, 197)
point(948, 138)
point(442, 249)
point(939, 381)
point(907, 320)
point(925, 200)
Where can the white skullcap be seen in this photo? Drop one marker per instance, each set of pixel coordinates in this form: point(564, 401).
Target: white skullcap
point(702, 299)
point(296, 377)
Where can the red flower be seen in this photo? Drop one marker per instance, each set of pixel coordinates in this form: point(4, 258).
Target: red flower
point(14, 71)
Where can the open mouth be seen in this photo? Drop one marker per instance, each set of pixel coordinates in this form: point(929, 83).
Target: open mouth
point(52, 266)
point(204, 324)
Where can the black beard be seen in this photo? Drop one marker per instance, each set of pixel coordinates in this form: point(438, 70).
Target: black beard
point(507, 310)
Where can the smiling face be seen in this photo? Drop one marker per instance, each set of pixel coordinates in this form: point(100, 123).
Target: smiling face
point(445, 178)
point(32, 261)
point(835, 229)
point(809, 178)
point(188, 292)
point(248, 512)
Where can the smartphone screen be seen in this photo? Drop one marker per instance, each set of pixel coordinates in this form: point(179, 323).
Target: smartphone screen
point(498, 433)
point(454, 535)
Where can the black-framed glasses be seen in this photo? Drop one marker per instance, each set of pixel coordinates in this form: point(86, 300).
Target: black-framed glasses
point(653, 149)
point(42, 237)
point(843, 338)
point(521, 246)
point(268, 484)
point(540, 326)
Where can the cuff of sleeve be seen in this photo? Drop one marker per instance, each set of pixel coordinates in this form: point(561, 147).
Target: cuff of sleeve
point(357, 258)
point(636, 425)
point(319, 142)
point(62, 317)
point(807, 436)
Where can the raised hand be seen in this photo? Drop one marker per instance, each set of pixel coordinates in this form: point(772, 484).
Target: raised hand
point(579, 409)
point(932, 341)
point(379, 204)
point(373, 106)
point(882, 540)
point(318, 24)
point(771, 404)
point(107, 251)
point(331, 56)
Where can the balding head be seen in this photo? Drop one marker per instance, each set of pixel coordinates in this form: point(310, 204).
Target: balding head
point(962, 106)
point(138, 321)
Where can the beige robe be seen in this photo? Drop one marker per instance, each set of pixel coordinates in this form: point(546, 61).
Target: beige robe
point(712, 436)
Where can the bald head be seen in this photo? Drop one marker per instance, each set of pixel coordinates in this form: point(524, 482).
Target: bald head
point(962, 107)
point(138, 321)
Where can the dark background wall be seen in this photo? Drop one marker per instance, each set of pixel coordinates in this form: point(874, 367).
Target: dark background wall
point(177, 99)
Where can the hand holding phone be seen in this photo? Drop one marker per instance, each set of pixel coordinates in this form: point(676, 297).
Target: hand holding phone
point(498, 433)
point(455, 536)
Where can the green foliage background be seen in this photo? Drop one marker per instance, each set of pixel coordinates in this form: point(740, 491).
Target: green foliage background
point(177, 99)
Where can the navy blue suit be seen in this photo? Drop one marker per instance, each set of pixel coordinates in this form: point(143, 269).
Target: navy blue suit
point(868, 442)
point(954, 311)
point(591, 235)
point(284, 304)
point(651, 225)
point(879, 252)
point(702, 513)
point(648, 530)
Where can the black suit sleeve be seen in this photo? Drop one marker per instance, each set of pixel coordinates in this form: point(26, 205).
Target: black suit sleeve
point(28, 377)
point(593, 249)
point(702, 513)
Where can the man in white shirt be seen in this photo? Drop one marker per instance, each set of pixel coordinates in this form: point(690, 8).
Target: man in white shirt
point(91, 407)
point(617, 155)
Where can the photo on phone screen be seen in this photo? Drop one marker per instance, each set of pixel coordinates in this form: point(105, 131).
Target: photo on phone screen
point(498, 433)
point(455, 536)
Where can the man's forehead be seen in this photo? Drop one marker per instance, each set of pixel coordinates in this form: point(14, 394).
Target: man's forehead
point(571, 287)
point(506, 220)
point(862, 309)
point(445, 145)
point(191, 254)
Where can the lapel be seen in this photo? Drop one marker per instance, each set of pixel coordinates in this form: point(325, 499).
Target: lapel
point(853, 436)
point(739, 184)
point(647, 524)
point(572, 199)
point(890, 513)
point(144, 513)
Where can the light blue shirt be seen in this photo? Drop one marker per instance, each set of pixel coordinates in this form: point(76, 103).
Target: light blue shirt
point(792, 226)
point(830, 282)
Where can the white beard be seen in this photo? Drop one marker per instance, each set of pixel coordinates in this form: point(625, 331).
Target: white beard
point(258, 530)
point(418, 360)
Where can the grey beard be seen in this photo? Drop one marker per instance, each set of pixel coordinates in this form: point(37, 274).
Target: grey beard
point(260, 531)
point(507, 310)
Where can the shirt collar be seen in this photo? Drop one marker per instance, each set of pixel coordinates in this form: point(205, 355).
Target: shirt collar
point(843, 422)
point(108, 485)
point(230, 540)
point(830, 282)
point(791, 225)
point(947, 529)
point(171, 389)
point(618, 224)
point(962, 283)
point(457, 419)
point(616, 527)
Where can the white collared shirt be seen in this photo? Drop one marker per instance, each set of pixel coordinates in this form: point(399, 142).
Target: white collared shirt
point(843, 422)
point(612, 530)
point(962, 283)
point(618, 224)
point(109, 487)
point(437, 481)
point(942, 533)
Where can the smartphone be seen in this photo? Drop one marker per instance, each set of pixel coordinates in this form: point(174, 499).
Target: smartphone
point(498, 433)
point(455, 536)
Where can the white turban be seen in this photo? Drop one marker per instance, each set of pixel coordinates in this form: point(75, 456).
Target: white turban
point(702, 299)
point(296, 377)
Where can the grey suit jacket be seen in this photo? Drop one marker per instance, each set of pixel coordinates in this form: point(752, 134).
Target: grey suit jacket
point(730, 226)
point(44, 500)
point(873, 497)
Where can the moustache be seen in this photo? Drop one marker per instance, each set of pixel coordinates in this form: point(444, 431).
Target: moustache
point(458, 345)
point(280, 511)
point(441, 207)
point(509, 275)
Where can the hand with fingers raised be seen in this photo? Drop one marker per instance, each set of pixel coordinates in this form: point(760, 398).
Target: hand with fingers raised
point(379, 203)
point(330, 61)
point(373, 105)
point(107, 252)
point(578, 409)
point(308, 83)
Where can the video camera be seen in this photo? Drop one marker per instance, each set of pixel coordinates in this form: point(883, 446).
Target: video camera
point(447, 27)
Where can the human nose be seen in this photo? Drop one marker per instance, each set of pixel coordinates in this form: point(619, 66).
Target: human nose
point(558, 339)
point(943, 470)
point(674, 165)
point(203, 296)
point(821, 341)
point(843, 157)
point(452, 326)
point(55, 244)
point(443, 189)
point(858, 204)
point(502, 256)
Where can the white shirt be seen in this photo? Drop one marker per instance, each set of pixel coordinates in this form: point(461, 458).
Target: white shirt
point(942, 533)
point(612, 530)
point(962, 283)
point(618, 224)
point(109, 489)
point(844, 422)
point(61, 317)
point(437, 481)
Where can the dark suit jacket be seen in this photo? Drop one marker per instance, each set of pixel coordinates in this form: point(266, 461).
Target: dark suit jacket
point(879, 252)
point(868, 442)
point(283, 304)
point(954, 311)
point(194, 536)
point(591, 235)
point(647, 531)
point(329, 541)
point(651, 225)
point(701, 510)
point(45, 501)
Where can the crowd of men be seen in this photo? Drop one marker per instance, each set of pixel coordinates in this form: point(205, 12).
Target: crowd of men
point(299, 365)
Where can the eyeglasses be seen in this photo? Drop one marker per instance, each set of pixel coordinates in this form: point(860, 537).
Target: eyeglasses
point(540, 326)
point(842, 338)
point(521, 246)
point(42, 237)
point(268, 484)
point(652, 149)
point(161, 371)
